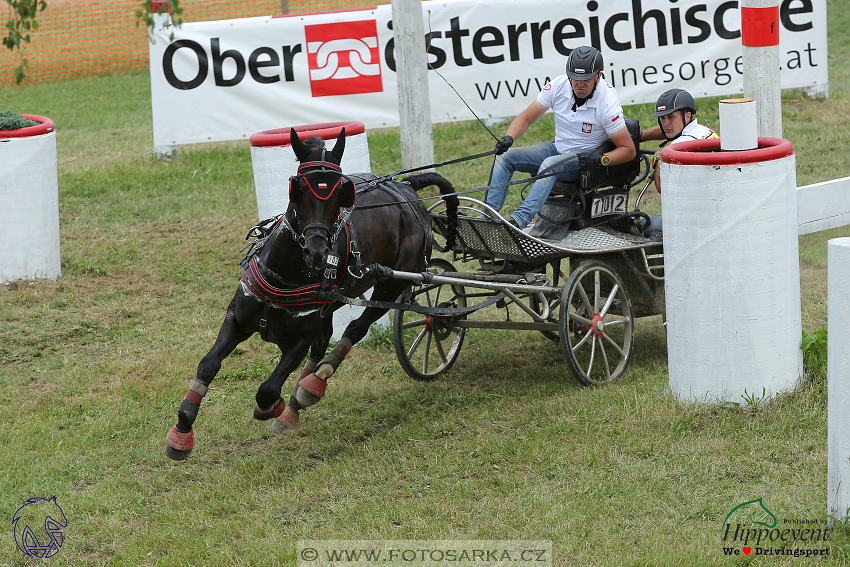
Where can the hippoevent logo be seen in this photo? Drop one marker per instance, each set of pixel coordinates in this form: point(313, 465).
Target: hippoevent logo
point(38, 527)
point(750, 528)
point(343, 58)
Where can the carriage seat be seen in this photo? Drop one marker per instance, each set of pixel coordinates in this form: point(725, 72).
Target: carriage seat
point(583, 203)
point(600, 176)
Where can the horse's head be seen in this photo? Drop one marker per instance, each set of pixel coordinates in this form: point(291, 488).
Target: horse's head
point(316, 194)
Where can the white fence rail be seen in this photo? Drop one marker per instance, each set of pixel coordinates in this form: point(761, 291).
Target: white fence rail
point(822, 206)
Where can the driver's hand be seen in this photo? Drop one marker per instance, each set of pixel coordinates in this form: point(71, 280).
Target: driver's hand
point(586, 161)
point(503, 145)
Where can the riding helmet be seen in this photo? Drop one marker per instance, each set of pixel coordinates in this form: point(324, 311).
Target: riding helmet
point(584, 63)
point(673, 100)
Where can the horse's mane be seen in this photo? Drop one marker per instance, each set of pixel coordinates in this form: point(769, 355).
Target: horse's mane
point(314, 142)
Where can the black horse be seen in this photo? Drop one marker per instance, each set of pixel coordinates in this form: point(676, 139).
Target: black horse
point(300, 262)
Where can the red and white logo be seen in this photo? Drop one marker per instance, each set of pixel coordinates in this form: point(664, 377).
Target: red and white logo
point(343, 58)
point(586, 128)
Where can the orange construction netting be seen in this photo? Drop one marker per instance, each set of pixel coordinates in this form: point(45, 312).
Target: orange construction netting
point(99, 37)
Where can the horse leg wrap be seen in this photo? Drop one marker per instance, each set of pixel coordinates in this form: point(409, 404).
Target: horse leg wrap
point(328, 365)
point(269, 413)
point(309, 367)
point(181, 439)
point(311, 388)
point(289, 418)
point(190, 405)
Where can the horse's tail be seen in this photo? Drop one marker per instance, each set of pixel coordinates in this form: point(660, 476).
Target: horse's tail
point(423, 180)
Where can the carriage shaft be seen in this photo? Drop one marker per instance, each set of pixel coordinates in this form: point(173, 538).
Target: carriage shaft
point(495, 286)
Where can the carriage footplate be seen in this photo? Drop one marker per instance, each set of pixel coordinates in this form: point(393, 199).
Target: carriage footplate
point(495, 239)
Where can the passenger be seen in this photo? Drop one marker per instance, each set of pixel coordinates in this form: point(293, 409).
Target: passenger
point(587, 113)
point(676, 112)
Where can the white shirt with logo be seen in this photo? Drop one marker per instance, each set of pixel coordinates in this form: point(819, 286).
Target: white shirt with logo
point(694, 131)
point(589, 125)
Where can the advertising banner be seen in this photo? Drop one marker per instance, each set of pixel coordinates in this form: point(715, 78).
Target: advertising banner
point(228, 79)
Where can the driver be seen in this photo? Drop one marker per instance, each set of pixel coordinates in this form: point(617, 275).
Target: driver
point(675, 110)
point(587, 113)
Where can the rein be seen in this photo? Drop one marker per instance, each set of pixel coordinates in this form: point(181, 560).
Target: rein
point(525, 180)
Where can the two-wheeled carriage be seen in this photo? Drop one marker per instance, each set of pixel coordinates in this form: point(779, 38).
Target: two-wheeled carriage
point(581, 274)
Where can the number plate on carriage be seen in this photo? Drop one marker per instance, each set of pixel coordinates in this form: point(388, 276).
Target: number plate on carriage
point(609, 204)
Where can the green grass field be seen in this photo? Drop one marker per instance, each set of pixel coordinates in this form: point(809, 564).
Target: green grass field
point(506, 446)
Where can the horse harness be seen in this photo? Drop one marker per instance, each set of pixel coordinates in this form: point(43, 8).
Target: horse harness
point(268, 287)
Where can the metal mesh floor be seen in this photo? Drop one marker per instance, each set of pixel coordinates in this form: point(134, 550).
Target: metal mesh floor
point(494, 239)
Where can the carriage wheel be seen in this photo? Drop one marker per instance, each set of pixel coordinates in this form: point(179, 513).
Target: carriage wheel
point(597, 324)
point(428, 346)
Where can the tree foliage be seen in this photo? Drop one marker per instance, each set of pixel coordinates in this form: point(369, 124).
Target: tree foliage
point(145, 13)
point(18, 28)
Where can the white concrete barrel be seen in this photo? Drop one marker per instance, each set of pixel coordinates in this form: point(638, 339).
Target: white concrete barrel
point(29, 203)
point(274, 161)
point(732, 277)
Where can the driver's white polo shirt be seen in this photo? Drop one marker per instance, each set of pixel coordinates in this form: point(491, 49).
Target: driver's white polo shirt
point(588, 126)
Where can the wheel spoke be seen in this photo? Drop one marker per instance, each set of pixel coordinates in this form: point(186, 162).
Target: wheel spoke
point(439, 344)
point(437, 295)
point(605, 360)
point(592, 354)
point(597, 290)
point(585, 299)
point(426, 353)
point(582, 341)
point(616, 322)
point(613, 344)
point(412, 350)
point(611, 297)
point(578, 318)
point(412, 324)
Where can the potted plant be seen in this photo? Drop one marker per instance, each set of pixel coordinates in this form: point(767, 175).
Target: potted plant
point(29, 191)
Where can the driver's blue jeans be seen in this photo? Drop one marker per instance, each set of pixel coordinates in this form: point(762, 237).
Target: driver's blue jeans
point(530, 159)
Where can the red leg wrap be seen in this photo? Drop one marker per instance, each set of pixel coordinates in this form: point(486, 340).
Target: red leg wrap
point(289, 418)
point(180, 441)
point(314, 385)
point(193, 396)
point(342, 349)
point(275, 410)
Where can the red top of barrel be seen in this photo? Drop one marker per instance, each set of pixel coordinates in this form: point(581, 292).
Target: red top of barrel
point(44, 126)
point(707, 152)
point(326, 131)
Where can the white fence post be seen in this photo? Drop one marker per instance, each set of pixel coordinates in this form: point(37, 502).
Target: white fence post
point(838, 388)
point(760, 37)
point(414, 98)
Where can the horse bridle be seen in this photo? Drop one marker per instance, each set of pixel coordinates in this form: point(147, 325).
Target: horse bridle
point(331, 233)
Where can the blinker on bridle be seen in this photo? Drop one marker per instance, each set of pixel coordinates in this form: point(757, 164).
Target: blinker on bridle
point(322, 186)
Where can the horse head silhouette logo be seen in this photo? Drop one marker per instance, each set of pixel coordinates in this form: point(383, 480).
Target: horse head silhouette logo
point(39, 512)
point(757, 507)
